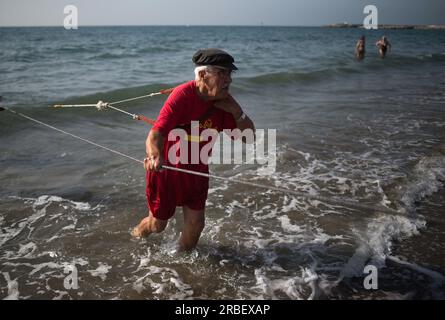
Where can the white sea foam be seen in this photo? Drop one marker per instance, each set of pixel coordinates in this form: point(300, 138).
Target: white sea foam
point(101, 271)
point(46, 199)
point(163, 281)
point(306, 155)
point(377, 239)
point(40, 211)
point(427, 178)
point(358, 177)
point(293, 288)
point(15, 229)
point(13, 287)
point(287, 225)
point(37, 275)
point(27, 250)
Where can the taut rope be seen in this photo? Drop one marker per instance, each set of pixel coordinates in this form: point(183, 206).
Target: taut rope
point(340, 202)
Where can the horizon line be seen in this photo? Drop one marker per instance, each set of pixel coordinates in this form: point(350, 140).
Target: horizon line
point(167, 25)
point(215, 25)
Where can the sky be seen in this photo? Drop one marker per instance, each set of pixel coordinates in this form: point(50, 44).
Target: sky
point(219, 12)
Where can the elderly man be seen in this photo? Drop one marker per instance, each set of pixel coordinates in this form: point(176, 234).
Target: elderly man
point(207, 100)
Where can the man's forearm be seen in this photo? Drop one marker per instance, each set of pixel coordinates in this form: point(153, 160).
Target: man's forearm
point(243, 123)
point(154, 146)
point(246, 123)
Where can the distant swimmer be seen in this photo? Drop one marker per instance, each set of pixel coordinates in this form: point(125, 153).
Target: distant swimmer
point(383, 45)
point(360, 48)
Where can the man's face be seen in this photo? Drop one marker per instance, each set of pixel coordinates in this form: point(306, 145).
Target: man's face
point(218, 81)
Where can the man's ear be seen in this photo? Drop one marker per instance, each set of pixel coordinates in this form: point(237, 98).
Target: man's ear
point(202, 73)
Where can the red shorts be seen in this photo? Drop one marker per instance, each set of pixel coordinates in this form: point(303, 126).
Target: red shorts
point(168, 189)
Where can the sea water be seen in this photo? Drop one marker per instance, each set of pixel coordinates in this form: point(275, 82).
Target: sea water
point(370, 131)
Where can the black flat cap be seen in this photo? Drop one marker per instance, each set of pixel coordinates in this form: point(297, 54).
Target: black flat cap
point(214, 57)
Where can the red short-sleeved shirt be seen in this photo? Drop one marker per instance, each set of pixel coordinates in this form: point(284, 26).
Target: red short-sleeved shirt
point(167, 189)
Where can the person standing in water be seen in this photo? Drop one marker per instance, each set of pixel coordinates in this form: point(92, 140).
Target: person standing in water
point(208, 101)
point(383, 45)
point(360, 48)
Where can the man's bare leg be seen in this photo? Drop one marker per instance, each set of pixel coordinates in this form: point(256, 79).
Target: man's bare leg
point(193, 225)
point(149, 225)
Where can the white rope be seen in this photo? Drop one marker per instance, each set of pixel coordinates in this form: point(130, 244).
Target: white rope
point(339, 202)
point(123, 111)
point(73, 135)
point(137, 98)
point(74, 105)
point(102, 105)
